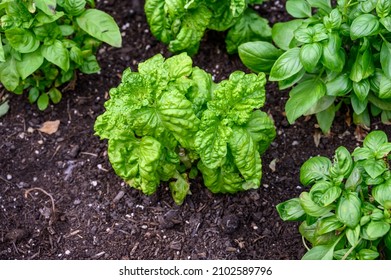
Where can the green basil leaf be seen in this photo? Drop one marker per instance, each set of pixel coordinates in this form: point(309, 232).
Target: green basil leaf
point(325, 118)
point(339, 86)
point(386, 22)
point(323, 104)
point(363, 66)
point(385, 87)
point(57, 54)
point(283, 33)
point(180, 188)
point(361, 89)
point(287, 65)
point(29, 64)
point(290, 210)
point(342, 164)
point(382, 193)
point(43, 101)
point(385, 58)
point(100, 25)
point(4, 107)
point(311, 208)
point(90, 65)
point(2, 54)
point(376, 229)
point(9, 75)
point(22, 40)
point(375, 139)
point(46, 6)
point(353, 180)
point(349, 210)
point(364, 25)
point(310, 55)
point(74, 7)
point(314, 169)
point(321, 252)
point(258, 56)
point(328, 224)
point(250, 27)
point(333, 21)
point(302, 97)
point(245, 156)
point(322, 4)
point(367, 254)
point(333, 56)
point(353, 235)
point(55, 95)
point(298, 8)
point(33, 94)
point(383, 8)
point(287, 83)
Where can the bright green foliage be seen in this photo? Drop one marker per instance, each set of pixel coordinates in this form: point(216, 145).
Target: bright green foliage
point(181, 24)
point(169, 120)
point(44, 42)
point(332, 55)
point(346, 214)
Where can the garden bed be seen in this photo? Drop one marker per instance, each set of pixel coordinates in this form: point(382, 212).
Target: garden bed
point(96, 216)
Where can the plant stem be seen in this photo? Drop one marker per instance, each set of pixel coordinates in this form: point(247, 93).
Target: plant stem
point(351, 249)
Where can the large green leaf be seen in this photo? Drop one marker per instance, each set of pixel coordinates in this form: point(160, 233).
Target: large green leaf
point(57, 54)
point(311, 208)
point(136, 161)
point(364, 25)
point(333, 56)
point(382, 193)
point(258, 56)
point(303, 97)
point(74, 7)
point(310, 55)
point(245, 156)
point(287, 65)
point(349, 210)
point(29, 64)
point(100, 25)
point(46, 6)
point(314, 169)
point(298, 8)
point(9, 75)
point(22, 40)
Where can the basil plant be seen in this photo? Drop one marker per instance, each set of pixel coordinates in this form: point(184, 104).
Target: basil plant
point(169, 120)
point(331, 55)
point(181, 24)
point(44, 42)
point(346, 214)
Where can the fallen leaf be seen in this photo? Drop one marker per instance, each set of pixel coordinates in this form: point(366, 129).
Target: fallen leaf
point(4, 107)
point(272, 164)
point(50, 127)
point(317, 135)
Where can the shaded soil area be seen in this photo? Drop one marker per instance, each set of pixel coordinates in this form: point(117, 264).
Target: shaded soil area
point(60, 199)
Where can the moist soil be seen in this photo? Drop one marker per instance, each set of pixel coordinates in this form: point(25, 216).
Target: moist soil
point(60, 198)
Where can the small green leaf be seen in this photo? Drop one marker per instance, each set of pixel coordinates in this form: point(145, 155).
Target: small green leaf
point(364, 25)
point(339, 86)
point(383, 8)
point(303, 97)
point(376, 229)
point(382, 193)
point(29, 63)
point(180, 188)
point(386, 22)
point(333, 56)
point(385, 58)
point(287, 65)
point(325, 118)
point(4, 107)
point(100, 25)
point(385, 87)
point(367, 254)
point(361, 89)
point(328, 224)
point(311, 208)
point(74, 7)
point(353, 235)
point(375, 139)
point(22, 40)
point(33, 94)
point(47, 6)
point(43, 101)
point(55, 95)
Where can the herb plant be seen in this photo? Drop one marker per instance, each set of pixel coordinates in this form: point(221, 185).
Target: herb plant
point(181, 24)
point(169, 120)
point(347, 212)
point(333, 55)
point(44, 42)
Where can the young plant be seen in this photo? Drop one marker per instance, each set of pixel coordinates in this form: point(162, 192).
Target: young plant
point(347, 212)
point(333, 55)
point(181, 24)
point(44, 42)
point(169, 120)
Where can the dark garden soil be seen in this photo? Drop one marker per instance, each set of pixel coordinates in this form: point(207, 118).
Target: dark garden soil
point(60, 199)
